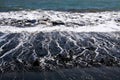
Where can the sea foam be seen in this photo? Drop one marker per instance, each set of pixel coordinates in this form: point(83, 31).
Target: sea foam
point(76, 22)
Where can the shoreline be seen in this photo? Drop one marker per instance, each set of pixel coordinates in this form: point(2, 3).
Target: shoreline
point(53, 39)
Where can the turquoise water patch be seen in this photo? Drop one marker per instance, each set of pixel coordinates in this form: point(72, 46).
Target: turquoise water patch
point(8, 5)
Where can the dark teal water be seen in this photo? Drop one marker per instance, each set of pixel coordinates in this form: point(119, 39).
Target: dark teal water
point(8, 5)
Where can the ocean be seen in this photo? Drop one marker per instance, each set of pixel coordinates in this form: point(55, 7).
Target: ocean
point(9, 5)
point(59, 39)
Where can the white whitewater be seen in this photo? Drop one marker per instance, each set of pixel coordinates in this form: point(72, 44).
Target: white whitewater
point(75, 22)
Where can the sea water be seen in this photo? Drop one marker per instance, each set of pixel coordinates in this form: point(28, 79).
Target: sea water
point(60, 39)
point(7, 5)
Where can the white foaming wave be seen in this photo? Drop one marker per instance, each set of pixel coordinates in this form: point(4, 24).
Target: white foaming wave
point(105, 21)
point(100, 28)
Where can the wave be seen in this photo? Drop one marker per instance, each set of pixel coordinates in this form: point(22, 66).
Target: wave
point(39, 20)
point(49, 40)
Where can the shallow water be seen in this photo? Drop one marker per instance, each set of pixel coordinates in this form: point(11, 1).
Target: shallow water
point(58, 39)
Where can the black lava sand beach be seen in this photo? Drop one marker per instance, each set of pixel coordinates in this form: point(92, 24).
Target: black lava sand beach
point(102, 73)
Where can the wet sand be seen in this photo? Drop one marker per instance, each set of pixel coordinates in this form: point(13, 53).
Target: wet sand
point(101, 73)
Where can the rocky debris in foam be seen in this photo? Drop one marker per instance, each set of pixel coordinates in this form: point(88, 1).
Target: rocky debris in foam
point(58, 22)
point(18, 23)
point(32, 23)
point(55, 18)
point(117, 20)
